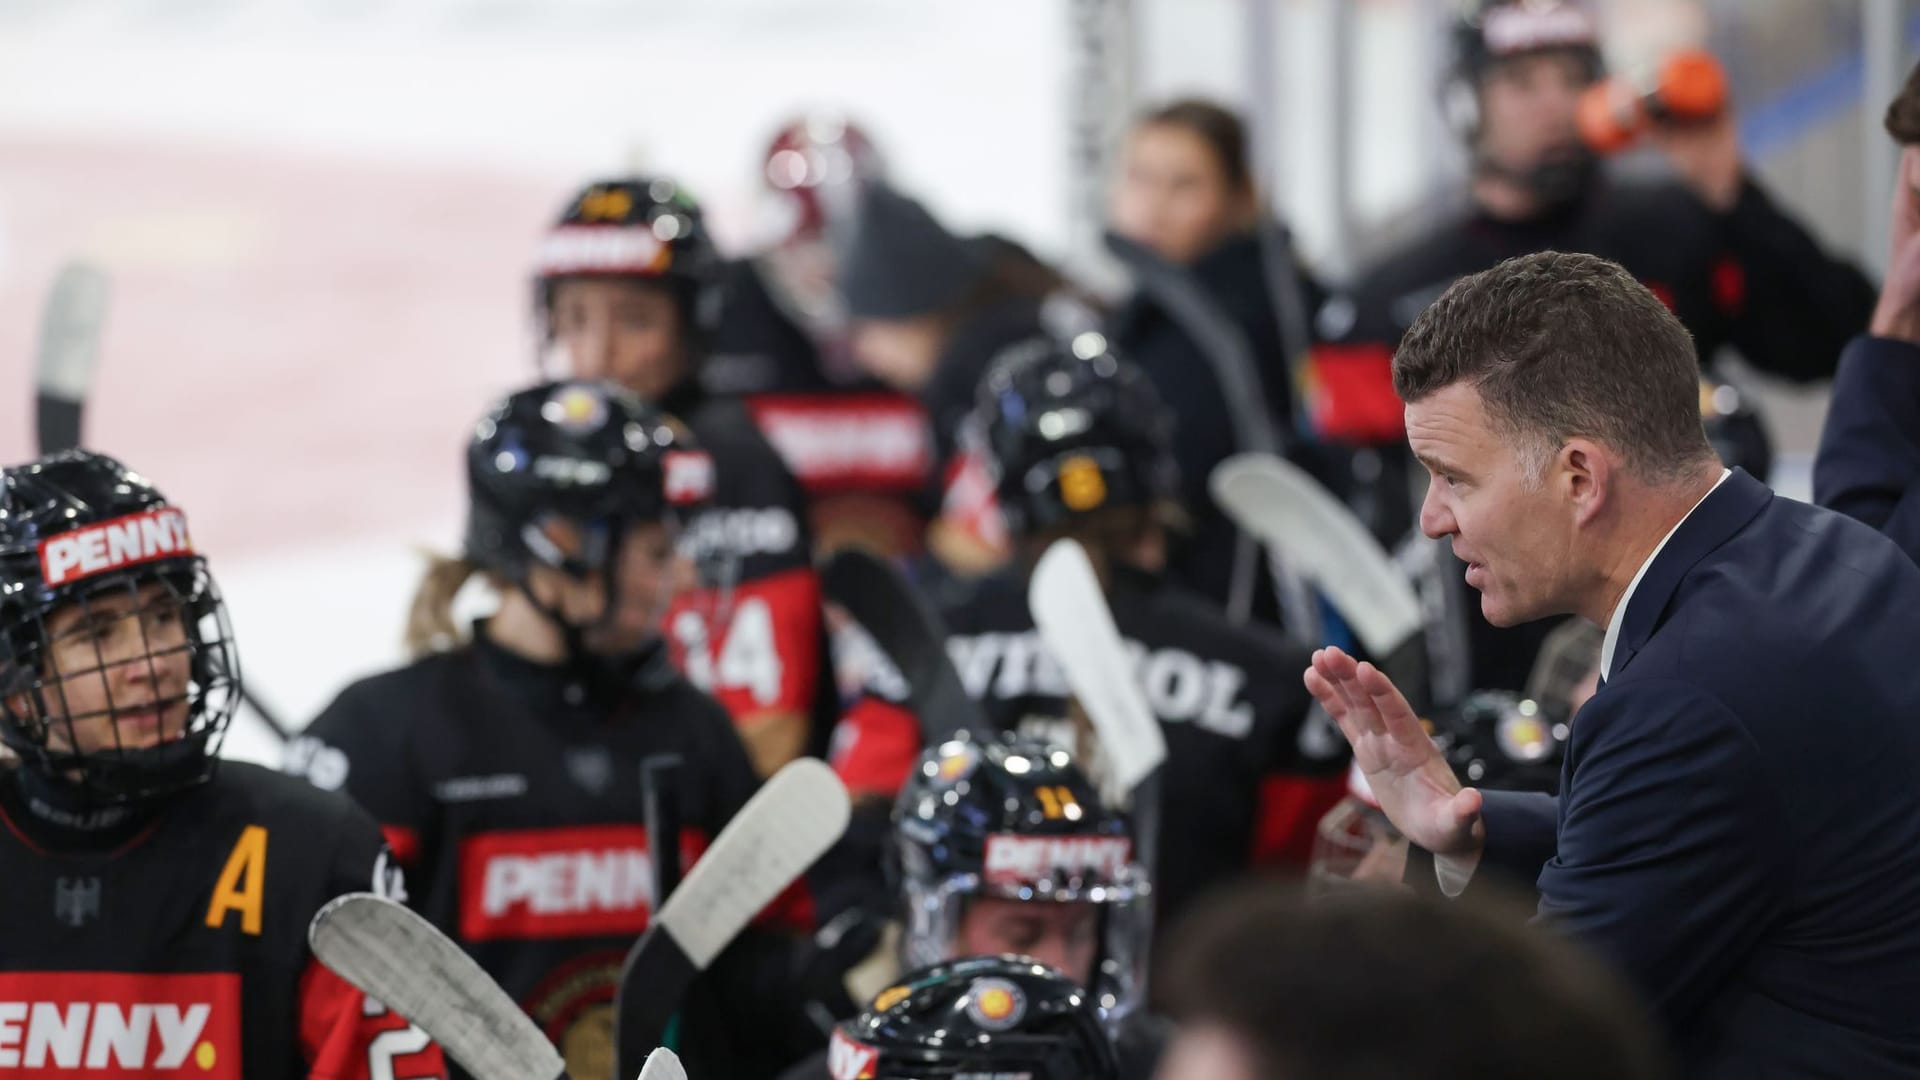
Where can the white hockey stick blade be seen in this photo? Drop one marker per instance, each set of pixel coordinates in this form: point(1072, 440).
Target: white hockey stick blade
point(663, 1064)
point(70, 329)
point(1071, 613)
point(1277, 501)
point(784, 829)
point(402, 961)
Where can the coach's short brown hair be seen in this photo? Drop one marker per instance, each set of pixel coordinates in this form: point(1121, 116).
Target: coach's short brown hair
point(1903, 115)
point(1562, 345)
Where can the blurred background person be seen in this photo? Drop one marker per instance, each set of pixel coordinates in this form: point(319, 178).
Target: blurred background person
point(1383, 983)
point(781, 344)
point(626, 292)
point(1184, 190)
point(1736, 269)
point(928, 312)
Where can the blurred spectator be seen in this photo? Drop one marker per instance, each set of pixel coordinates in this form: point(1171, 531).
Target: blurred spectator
point(1735, 268)
point(1373, 984)
point(1869, 462)
point(1185, 193)
point(781, 343)
point(929, 311)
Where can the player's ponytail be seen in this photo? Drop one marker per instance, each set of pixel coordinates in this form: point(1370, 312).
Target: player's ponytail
point(430, 625)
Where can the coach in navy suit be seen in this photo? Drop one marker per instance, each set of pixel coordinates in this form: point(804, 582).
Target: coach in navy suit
point(1739, 820)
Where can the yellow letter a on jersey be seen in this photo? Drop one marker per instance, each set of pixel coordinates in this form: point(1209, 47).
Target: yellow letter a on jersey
point(242, 883)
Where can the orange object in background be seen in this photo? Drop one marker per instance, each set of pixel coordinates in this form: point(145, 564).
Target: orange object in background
point(1690, 86)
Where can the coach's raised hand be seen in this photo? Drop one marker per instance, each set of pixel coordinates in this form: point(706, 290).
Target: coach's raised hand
point(1409, 777)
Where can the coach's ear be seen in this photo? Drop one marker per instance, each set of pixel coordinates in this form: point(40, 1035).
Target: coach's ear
point(1587, 469)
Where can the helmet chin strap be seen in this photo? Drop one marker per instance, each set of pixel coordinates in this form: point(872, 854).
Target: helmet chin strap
point(599, 676)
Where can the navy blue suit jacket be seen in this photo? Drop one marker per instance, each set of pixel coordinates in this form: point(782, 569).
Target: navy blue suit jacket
point(1739, 820)
point(1869, 461)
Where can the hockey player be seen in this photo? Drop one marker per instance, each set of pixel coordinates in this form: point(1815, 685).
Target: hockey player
point(785, 326)
point(983, 1016)
point(1077, 441)
point(1734, 267)
point(1000, 844)
point(154, 910)
point(506, 767)
point(782, 345)
point(625, 291)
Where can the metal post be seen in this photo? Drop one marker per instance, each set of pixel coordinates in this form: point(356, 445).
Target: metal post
point(1100, 39)
point(1882, 48)
point(1265, 125)
point(1341, 45)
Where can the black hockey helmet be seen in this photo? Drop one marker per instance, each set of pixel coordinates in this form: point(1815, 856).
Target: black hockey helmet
point(1068, 427)
point(1503, 740)
point(1485, 32)
point(1010, 816)
point(1734, 427)
point(585, 452)
point(82, 533)
point(983, 1016)
point(637, 227)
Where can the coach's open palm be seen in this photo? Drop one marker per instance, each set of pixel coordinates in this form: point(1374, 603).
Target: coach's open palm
point(1413, 783)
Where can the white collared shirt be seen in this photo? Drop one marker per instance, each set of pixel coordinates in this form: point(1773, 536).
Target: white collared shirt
point(1455, 871)
point(1619, 615)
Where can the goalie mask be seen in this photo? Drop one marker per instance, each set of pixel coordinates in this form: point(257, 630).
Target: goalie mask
point(1008, 818)
point(118, 674)
point(586, 463)
point(1068, 428)
point(975, 1019)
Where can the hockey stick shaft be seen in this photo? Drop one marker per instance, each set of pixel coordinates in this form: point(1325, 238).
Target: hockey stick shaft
point(907, 629)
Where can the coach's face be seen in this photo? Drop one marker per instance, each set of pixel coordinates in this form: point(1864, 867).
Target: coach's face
point(1509, 527)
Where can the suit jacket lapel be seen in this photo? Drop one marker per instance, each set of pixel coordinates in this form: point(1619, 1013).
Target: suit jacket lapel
point(1723, 513)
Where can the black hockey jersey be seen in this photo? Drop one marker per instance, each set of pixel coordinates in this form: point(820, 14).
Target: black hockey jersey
point(766, 660)
point(176, 940)
point(1251, 766)
point(521, 819)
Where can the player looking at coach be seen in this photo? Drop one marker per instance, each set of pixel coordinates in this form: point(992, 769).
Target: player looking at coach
point(149, 885)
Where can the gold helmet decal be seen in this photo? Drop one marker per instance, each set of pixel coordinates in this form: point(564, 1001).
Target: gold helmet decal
point(1082, 487)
